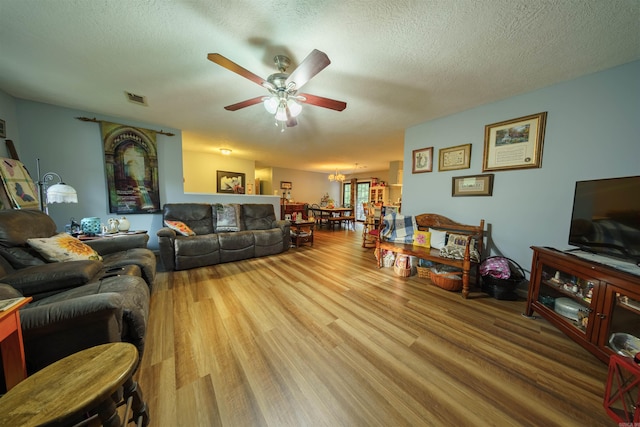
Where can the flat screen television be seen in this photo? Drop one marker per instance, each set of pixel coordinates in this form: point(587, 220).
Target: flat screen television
point(606, 217)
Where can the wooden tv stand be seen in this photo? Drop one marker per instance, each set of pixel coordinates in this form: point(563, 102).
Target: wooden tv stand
point(607, 299)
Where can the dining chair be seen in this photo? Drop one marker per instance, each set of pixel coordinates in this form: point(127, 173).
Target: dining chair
point(371, 228)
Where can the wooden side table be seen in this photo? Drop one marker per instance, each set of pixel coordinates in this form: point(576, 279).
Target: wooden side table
point(13, 362)
point(83, 382)
point(302, 232)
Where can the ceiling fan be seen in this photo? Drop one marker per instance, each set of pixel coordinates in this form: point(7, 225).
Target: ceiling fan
point(283, 100)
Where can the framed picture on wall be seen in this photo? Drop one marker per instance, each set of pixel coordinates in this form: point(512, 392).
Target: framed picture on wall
point(422, 160)
point(3, 129)
point(285, 185)
point(514, 144)
point(230, 182)
point(472, 185)
point(452, 158)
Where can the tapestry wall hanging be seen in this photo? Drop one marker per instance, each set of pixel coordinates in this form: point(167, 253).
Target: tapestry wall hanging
point(131, 163)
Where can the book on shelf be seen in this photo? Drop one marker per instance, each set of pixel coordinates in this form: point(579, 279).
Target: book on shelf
point(6, 304)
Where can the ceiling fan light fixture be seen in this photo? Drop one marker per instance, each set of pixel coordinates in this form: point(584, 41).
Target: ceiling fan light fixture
point(294, 107)
point(271, 104)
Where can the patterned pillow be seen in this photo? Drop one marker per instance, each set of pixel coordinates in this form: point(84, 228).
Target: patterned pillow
point(456, 246)
point(422, 238)
point(63, 247)
point(179, 227)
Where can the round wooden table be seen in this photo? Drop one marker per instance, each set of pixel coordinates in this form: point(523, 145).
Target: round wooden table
point(81, 383)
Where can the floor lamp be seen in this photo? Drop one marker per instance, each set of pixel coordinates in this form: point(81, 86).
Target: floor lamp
point(53, 192)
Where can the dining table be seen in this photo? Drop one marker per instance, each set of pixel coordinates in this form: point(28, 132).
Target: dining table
point(330, 216)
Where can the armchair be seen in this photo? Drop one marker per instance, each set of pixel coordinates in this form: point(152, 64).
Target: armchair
point(79, 303)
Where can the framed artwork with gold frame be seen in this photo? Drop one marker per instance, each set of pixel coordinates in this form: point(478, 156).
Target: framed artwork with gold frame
point(453, 158)
point(514, 144)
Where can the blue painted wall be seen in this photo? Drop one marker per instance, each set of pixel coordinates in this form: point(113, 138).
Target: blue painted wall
point(592, 132)
point(73, 149)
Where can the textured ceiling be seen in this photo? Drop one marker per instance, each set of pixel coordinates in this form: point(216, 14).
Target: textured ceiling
point(396, 63)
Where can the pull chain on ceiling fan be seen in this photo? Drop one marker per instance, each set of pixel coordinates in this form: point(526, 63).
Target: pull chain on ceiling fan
point(283, 102)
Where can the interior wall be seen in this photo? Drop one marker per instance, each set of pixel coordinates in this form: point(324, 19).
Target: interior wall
point(592, 132)
point(307, 187)
point(73, 149)
point(9, 115)
point(200, 170)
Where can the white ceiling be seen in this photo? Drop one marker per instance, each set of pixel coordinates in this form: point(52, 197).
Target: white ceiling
point(396, 63)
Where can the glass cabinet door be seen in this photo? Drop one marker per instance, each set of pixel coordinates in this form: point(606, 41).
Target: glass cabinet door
point(569, 296)
point(623, 324)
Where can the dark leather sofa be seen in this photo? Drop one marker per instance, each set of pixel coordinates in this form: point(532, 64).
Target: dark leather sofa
point(260, 234)
point(76, 304)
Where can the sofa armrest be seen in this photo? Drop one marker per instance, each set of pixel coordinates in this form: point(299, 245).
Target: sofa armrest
point(166, 232)
point(41, 280)
point(282, 224)
point(166, 240)
point(109, 245)
point(55, 330)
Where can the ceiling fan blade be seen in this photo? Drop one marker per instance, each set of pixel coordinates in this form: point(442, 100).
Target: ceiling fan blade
point(247, 103)
point(322, 102)
point(315, 62)
point(232, 66)
point(291, 121)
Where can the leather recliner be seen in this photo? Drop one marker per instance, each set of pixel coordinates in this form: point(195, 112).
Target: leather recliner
point(76, 304)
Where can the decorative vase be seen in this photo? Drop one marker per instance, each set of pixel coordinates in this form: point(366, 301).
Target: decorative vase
point(113, 225)
point(124, 224)
point(90, 226)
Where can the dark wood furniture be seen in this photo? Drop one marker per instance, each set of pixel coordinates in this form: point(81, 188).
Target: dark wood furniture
point(302, 232)
point(333, 216)
point(439, 222)
point(607, 299)
point(13, 361)
point(291, 208)
point(622, 392)
point(84, 382)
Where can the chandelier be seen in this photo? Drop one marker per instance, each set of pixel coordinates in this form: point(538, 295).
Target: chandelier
point(337, 177)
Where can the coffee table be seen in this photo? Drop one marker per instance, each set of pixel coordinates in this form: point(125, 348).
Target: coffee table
point(81, 383)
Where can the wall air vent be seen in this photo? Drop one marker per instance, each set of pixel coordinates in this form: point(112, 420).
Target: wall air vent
point(136, 99)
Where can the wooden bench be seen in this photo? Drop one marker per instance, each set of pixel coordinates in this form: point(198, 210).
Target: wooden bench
point(438, 222)
point(348, 219)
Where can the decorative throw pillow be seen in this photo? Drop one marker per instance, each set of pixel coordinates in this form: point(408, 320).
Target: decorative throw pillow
point(422, 238)
point(179, 227)
point(63, 247)
point(456, 246)
point(457, 240)
point(438, 238)
point(227, 217)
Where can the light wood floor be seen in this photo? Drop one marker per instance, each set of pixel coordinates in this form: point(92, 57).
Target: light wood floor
point(318, 336)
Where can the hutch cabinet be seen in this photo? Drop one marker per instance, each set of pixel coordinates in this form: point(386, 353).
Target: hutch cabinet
point(379, 194)
point(291, 208)
point(588, 301)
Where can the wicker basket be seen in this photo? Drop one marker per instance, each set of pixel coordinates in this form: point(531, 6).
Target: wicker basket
point(424, 272)
point(402, 266)
point(447, 281)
